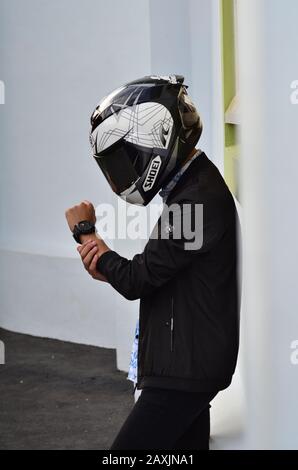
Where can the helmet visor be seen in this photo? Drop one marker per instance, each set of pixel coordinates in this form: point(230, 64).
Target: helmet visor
point(122, 164)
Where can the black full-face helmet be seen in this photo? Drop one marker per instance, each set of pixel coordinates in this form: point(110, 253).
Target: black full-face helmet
point(141, 134)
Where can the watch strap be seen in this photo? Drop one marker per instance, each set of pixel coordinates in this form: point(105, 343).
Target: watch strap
point(77, 232)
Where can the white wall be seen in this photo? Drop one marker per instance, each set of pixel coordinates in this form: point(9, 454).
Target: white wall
point(51, 296)
point(201, 27)
point(57, 60)
point(270, 226)
point(186, 39)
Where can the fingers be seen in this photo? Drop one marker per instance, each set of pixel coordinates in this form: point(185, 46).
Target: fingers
point(86, 247)
point(88, 252)
point(88, 258)
point(92, 267)
point(85, 243)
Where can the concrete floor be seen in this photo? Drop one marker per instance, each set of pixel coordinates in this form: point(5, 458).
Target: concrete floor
point(57, 395)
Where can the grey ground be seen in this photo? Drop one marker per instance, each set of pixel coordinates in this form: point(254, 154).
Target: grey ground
point(57, 395)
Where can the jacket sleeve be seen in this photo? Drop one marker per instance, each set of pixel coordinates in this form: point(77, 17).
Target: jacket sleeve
point(166, 252)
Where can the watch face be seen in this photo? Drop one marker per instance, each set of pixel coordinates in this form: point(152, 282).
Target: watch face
point(85, 226)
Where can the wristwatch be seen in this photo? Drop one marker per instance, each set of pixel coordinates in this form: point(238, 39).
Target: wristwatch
point(83, 228)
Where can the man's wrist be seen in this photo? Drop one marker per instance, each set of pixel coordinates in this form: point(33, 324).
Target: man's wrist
point(89, 236)
point(102, 247)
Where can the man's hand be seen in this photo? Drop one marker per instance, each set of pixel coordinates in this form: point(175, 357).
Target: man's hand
point(83, 211)
point(90, 252)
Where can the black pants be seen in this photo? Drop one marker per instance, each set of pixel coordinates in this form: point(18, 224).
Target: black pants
point(167, 419)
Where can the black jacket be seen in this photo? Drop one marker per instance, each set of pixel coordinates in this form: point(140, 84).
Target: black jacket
point(189, 306)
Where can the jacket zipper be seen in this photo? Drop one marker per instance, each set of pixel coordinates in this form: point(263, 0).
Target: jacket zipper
point(172, 322)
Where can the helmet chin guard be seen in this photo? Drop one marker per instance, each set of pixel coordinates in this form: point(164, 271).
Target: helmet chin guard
point(141, 133)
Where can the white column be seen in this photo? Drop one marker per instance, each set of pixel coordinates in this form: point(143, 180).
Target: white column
point(268, 50)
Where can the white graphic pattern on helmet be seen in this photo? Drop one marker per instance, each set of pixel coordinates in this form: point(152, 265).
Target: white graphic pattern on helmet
point(146, 124)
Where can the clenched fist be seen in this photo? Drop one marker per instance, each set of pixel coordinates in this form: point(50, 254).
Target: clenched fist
point(83, 211)
point(92, 245)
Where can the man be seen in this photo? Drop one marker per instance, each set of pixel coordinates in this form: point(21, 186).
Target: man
point(143, 137)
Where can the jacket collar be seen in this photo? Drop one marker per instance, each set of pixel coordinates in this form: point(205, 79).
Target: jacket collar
point(197, 165)
point(165, 192)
